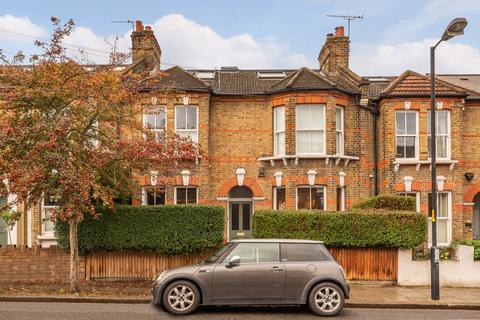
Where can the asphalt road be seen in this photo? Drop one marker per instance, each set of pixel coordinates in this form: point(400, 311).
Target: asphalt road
point(98, 311)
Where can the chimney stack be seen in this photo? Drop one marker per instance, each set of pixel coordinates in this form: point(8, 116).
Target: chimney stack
point(339, 31)
point(146, 52)
point(335, 52)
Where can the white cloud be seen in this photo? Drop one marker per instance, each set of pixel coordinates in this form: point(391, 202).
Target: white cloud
point(19, 29)
point(191, 45)
point(185, 42)
point(394, 59)
point(84, 43)
point(431, 13)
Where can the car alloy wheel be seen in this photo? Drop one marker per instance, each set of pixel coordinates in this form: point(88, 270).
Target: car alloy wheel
point(326, 299)
point(181, 298)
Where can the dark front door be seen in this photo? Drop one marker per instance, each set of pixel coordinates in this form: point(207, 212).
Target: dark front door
point(240, 216)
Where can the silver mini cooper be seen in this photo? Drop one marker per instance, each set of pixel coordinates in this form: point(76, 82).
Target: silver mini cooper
point(257, 272)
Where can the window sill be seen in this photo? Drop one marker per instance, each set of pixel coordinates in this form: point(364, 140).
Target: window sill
point(337, 157)
point(46, 236)
point(418, 163)
point(47, 239)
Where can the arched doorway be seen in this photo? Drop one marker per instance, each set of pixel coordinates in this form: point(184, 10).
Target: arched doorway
point(240, 210)
point(476, 217)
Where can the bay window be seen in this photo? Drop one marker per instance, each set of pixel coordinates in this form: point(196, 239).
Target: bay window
point(310, 125)
point(279, 198)
point(154, 196)
point(415, 195)
point(442, 128)
point(406, 134)
point(186, 122)
point(339, 131)
point(49, 204)
point(311, 197)
point(186, 195)
point(444, 215)
point(155, 120)
point(279, 131)
point(340, 198)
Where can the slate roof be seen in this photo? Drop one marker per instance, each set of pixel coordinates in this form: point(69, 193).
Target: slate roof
point(175, 78)
point(411, 83)
point(377, 84)
point(242, 82)
point(232, 81)
point(307, 79)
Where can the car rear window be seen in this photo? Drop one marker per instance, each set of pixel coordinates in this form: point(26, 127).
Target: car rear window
point(304, 252)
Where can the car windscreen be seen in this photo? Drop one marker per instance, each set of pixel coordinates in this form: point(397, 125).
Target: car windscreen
point(218, 254)
point(304, 252)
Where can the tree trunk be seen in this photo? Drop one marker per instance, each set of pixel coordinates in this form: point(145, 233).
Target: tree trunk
point(73, 255)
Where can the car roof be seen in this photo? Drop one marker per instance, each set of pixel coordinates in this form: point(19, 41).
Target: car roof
point(278, 241)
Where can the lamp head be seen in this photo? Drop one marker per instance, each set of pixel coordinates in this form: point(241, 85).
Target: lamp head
point(454, 28)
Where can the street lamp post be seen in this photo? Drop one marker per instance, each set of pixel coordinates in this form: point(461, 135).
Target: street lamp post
point(454, 28)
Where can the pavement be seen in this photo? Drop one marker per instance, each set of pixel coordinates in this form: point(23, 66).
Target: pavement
point(362, 296)
point(111, 311)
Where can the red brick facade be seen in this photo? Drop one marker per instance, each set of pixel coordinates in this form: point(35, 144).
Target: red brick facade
point(236, 130)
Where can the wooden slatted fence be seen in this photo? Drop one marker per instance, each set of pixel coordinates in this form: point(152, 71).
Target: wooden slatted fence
point(374, 264)
point(143, 265)
point(378, 264)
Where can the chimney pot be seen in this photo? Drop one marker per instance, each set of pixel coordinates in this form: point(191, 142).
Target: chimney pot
point(329, 35)
point(339, 31)
point(138, 25)
point(148, 28)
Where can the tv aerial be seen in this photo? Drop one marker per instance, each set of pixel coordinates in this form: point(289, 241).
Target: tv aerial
point(348, 18)
point(125, 21)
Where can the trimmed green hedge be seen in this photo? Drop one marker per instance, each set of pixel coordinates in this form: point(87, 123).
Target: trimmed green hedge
point(164, 229)
point(397, 229)
point(387, 202)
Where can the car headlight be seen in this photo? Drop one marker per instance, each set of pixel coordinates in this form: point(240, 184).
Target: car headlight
point(160, 277)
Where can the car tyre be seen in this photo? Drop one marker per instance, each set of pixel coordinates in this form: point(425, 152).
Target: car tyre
point(326, 299)
point(181, 297)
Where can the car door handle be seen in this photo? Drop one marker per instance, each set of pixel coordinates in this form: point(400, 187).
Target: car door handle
point(274, 269)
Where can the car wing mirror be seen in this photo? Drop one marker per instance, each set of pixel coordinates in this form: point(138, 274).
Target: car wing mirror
point(234, 261)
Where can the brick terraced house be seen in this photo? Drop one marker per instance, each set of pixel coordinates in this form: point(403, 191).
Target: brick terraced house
point(306, 139)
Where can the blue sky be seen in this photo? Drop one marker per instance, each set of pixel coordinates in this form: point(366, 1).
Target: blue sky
point(393, 36)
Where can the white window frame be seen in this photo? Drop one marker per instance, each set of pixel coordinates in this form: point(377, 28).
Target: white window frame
point(156, 132)
point(277, 132)
point(275, 190)
point(340, 133)
point(448, 219)
point(145, 194)
point(43, 208)
point(323, 130)
point(447, 135)
point(187, 130)
point(311, 187)
point(185, 187)
point(417, 198)
point(416, 136)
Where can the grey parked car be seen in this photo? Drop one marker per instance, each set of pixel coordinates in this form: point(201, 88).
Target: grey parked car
point(257, 272)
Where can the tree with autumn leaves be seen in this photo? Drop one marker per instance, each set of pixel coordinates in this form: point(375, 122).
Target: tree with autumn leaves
point(75, 133)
